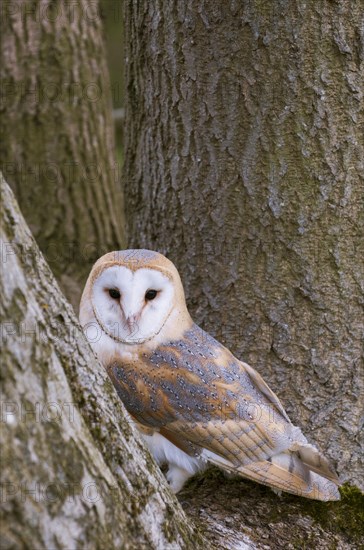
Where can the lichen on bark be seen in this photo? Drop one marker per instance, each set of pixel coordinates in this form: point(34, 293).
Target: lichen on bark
point(74, 472)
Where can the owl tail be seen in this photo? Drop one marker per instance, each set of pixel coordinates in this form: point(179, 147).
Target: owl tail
point(305, 473)
point(302, 471)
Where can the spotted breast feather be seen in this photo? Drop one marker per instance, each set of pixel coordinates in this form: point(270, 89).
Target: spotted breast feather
point(213, 406)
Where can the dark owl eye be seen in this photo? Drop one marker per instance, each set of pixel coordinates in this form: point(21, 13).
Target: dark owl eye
point(115, 294)
point(150, 294)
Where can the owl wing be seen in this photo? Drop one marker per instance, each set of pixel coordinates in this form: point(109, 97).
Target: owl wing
point(199, 396)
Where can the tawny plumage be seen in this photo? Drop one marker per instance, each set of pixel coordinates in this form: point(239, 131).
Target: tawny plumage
point(193, 401)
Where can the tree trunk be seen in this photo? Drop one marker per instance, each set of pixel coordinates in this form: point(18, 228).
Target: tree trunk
point(57, 149)
point(245, 149)
point(75, 474)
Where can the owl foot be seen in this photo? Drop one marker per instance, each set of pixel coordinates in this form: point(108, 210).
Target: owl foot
point(177, 477)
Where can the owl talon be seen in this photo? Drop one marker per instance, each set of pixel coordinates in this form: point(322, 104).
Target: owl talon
point(177, 477)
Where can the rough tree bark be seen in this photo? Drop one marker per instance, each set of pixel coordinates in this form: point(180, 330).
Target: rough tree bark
point(244, 165)
point(59, 155)
point(74, 474)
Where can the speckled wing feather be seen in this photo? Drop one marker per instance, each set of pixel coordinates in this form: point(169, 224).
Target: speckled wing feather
point(198, 395)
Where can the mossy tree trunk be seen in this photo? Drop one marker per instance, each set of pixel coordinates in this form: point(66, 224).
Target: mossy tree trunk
point(245, 149)
point(74, 472)
point(57, 142)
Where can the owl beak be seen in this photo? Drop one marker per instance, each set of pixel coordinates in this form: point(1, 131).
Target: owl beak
point(132, 323)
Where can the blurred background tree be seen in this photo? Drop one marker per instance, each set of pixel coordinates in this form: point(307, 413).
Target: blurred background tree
point(112, 16)
point(57, 140)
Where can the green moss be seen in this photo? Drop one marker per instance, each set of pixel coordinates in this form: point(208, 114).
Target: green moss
point(168, 527)
point(173, 529)
point(343, 519)
point(211, 474)
point(345, 516)
point(68, 462)
point(17, 308)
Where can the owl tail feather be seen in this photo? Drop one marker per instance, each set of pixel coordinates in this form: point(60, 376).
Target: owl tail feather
point(315, 461)
point(287, 472)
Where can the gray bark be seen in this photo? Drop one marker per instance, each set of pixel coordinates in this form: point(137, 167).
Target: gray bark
point(59, 156)
point(236, 514)
point(74, 473)
point(244, 165)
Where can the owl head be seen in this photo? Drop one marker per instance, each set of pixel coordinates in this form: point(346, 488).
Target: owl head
point(131, 294)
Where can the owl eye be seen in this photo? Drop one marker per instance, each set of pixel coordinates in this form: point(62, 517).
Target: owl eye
point(115, 294)
point(150, 294)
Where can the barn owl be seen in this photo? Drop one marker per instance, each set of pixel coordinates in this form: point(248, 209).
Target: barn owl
point(192, 400)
